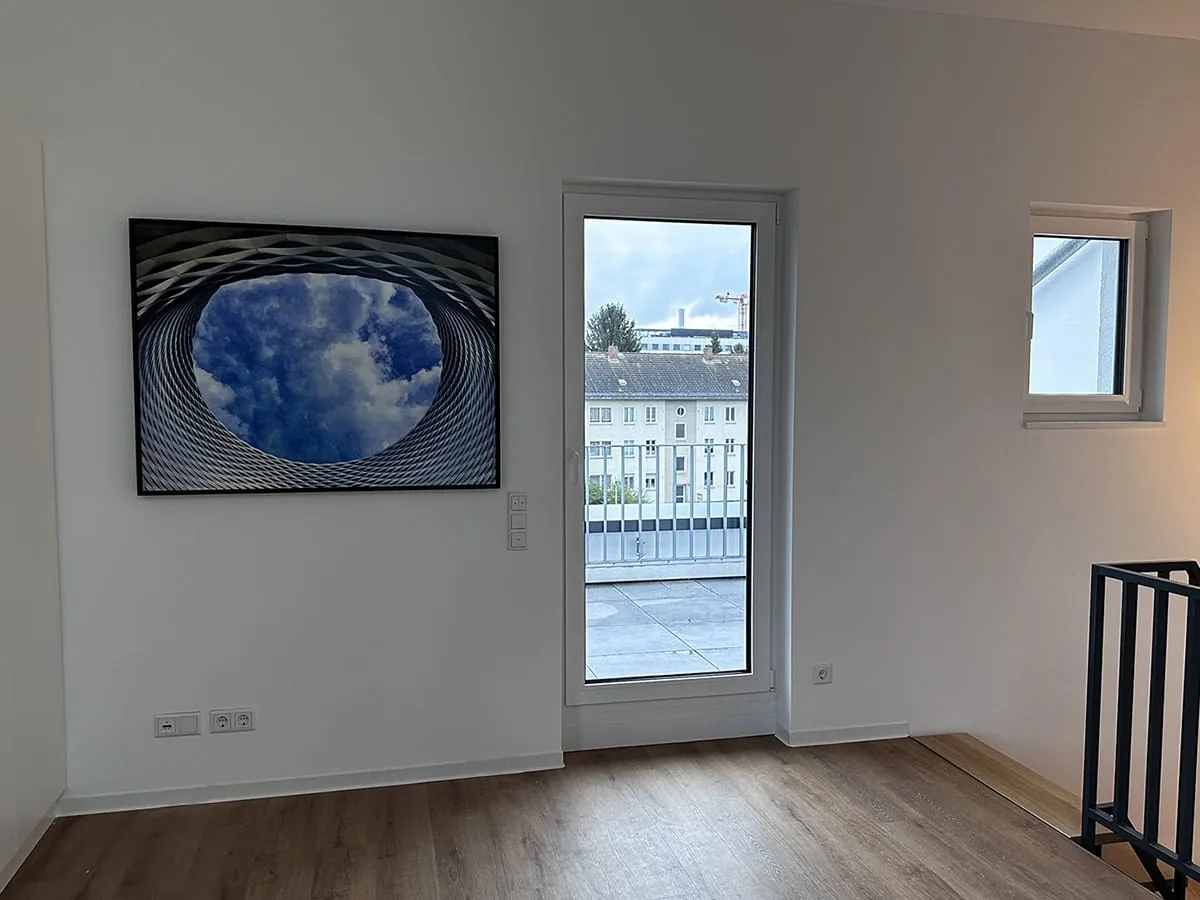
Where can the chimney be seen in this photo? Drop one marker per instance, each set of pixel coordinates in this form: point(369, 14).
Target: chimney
point(708, 353)
point(612, 352)
point(682, 313)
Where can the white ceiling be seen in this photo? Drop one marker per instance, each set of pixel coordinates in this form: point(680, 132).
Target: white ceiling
point(1173, 18)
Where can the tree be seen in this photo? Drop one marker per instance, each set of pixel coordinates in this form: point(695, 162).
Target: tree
point(616, 493)
point(715, 343)
point(739, 348)
point(610, 326)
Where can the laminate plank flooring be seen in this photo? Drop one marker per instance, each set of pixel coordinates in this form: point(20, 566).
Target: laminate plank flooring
point(742, 819)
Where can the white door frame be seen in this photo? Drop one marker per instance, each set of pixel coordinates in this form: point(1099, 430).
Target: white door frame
point(579, 203)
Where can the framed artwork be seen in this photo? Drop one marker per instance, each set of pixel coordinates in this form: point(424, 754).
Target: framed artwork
point(286, 358)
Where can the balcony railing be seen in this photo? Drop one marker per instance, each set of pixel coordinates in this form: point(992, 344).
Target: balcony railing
point(666, 510)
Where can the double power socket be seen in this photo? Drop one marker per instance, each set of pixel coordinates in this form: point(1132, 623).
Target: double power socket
point(183, 724)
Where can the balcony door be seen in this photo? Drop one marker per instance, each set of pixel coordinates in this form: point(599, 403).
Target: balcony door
point(668, 346)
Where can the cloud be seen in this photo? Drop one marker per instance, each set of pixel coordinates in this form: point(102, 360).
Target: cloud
point(217, 397)
point(656, 268)
point(317, 368)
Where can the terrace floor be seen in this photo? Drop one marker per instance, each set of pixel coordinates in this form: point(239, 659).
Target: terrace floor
point(647, 628)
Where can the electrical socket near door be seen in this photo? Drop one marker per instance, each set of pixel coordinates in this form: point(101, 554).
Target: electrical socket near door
point(221, 720)
point(823, 673)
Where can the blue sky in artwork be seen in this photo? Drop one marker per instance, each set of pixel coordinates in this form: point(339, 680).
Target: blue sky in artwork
point(317, 368)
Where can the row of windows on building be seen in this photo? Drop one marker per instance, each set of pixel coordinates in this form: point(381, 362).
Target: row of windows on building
point(603, 415)
point(603, 449)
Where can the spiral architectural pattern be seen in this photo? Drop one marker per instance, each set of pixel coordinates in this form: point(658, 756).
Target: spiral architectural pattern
point(183, 448)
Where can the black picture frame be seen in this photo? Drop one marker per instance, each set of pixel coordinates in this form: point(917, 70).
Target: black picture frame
point(183, 448)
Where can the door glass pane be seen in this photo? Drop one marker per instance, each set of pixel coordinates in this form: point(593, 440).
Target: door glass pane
point(1078, 316)
point(668, 325)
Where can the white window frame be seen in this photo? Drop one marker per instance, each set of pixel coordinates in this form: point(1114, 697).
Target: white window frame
point(681, 493)
point(629, 415)
point(593, 415)
point(710, 414)
point(731, 415)
point(681, 431)
point(1126, 406)
point(651, 415)
point(650, 448)
point(709, 444)
point(762, 212)
point(630, 449)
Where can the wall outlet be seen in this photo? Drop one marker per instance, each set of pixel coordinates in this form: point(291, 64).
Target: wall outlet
point(176, 724)
point(221, 720)
point(518, 502)
point(823, 673)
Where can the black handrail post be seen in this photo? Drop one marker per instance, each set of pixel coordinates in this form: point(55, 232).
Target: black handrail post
point(1095, 683)
point(1189, 733)
point(1125, 669)
point(1154, 726)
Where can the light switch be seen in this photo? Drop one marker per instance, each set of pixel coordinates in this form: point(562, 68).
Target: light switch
point(516, 540)
point(518, 502)
point(518, 521)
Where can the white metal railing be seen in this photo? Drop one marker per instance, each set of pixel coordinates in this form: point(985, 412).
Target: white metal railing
point(659, 505)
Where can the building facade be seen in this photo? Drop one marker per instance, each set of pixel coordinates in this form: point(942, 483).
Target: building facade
point(666, 428)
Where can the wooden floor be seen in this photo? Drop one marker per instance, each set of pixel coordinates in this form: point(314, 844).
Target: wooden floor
point(738, 819)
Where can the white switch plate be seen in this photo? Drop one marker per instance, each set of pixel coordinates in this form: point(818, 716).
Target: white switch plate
point(823, 673)
point(517, 540)
point(518, 521)
point(518, 502)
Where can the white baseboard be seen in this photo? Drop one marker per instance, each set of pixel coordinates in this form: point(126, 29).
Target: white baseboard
point(8, 871)
point(76, 805)
point(817, 737)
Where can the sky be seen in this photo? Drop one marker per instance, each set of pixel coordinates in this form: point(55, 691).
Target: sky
point(317, 368)
point(655, 268)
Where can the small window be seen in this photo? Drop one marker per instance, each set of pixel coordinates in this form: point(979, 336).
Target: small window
point(730, 445)
point(651, 448)
point(680, 411)
point(628, 415)
point(674, 346)
point(708, 445)
point(651, 482)
point(680, 463)
point(654, 346)
point(730, 479)
point(680, 493)
point(594, 449)
point(630, 448)
point(630, 482)
point(606, 415)
point(680, 431)
point(708, 479)
point(710, 414)
point(697, 346)
point(594, 415)
point(1085, 319)
point(651, 415)
point(730, 415)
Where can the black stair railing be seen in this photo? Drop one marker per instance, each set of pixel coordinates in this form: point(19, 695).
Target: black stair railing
point(1134, 578)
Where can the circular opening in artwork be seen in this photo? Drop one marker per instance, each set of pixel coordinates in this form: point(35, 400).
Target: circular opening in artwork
point(317, 368)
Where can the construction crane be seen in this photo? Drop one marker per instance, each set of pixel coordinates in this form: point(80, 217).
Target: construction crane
point(741, 300)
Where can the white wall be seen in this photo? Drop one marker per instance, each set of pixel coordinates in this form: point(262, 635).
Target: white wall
point(32, 758)
point(940, 548)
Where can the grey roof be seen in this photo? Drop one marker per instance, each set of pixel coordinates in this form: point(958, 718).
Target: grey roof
point(673, 376)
